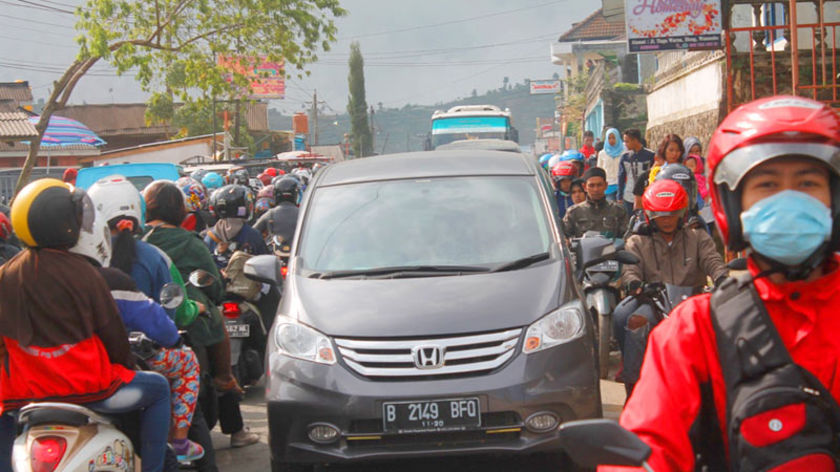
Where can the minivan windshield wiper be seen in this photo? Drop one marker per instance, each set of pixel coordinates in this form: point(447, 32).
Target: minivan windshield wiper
point(382, 271)
point(522, 263)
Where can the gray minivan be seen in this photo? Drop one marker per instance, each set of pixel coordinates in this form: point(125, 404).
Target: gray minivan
point(430, 308)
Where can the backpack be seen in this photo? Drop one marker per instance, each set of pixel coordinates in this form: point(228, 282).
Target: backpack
point(779, 416)
point(237, 283)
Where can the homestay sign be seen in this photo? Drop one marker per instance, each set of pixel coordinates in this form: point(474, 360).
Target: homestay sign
point(658, 25)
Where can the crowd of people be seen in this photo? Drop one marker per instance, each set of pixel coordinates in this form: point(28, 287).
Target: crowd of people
point(65, 319)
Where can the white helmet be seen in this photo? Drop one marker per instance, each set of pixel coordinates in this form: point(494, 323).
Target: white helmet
point(115, 196)
point(94, 239)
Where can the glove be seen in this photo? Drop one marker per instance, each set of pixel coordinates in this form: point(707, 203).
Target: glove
point(633, 286)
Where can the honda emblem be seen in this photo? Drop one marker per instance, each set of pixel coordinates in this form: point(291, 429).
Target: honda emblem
point(428, 357)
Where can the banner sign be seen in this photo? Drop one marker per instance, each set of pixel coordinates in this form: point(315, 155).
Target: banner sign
point(545, 86)
point(267, 79)
point(659, 25)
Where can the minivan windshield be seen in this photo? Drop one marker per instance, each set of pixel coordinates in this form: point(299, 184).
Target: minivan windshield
point(468, 222)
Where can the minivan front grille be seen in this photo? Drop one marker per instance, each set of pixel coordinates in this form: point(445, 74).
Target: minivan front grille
point(429, 357)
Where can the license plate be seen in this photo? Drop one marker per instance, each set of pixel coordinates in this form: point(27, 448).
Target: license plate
point(606, 266)
point(431, 415)
point(238, 330)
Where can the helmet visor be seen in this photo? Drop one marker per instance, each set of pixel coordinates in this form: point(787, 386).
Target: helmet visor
point(656, 214)
point(738, 163)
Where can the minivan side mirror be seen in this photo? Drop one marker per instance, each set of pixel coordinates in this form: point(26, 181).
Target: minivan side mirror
point(265, 269)
point(591, 443)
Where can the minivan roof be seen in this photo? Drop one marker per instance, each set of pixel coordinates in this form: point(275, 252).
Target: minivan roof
point(427, 164)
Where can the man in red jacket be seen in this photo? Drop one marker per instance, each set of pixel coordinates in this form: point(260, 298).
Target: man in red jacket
point(706, 396)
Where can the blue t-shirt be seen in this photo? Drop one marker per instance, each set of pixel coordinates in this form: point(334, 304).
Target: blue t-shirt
point(150, 271)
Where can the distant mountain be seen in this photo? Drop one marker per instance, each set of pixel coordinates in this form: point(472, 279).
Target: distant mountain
point(399, 130)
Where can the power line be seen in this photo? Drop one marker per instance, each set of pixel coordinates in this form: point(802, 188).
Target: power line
point(35, 41)
point(46, 7)
point(451, 22)
point(429, 52)
point(37, 22)
point(40, 30)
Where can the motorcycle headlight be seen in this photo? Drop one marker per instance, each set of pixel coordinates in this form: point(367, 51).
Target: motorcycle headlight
point(302, 342)
point(557, 327)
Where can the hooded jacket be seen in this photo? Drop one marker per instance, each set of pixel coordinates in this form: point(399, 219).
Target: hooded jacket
point(188, 253)
point(61, 336)
point(686, 262)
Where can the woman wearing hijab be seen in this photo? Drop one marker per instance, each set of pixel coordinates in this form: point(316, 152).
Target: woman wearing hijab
point(692, 147)
point(608, 160)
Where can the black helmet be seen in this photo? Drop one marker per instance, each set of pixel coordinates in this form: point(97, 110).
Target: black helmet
point(286, 189)
point(232, 201)
point(51, 213)
point(241, 177)
point(681, 174)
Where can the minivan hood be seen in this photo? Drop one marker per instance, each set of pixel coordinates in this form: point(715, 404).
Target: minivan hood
point(430, 306)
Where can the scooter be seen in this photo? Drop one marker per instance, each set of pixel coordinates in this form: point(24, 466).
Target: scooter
point(599, 265)
point(644, 311)
point(246, 329)
point(71, 438)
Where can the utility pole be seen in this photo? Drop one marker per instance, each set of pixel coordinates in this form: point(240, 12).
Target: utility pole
point(372, 129)
point(313, 129)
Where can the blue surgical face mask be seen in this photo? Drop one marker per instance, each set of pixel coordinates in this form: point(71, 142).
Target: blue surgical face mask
point(787, 227)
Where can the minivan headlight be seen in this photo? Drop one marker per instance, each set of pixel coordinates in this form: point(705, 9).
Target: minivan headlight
point(555, 328)
point(302, 342)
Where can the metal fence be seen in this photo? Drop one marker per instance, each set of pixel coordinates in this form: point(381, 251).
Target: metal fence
point(9, 177)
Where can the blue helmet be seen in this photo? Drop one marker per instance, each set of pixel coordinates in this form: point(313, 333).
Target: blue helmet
point(572, 155)
point(213, 181)
point(544, 159)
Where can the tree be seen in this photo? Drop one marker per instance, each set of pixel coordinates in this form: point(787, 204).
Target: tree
point(173, 45)
point(357, 104)
point(196, 118)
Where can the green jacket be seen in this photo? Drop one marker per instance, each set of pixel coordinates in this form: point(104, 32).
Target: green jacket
point(188, 253)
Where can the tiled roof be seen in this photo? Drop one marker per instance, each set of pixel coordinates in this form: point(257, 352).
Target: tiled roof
point(130, 118)
point(594, 27)
point(22, 148)
point(15, 125)
point(15, 91)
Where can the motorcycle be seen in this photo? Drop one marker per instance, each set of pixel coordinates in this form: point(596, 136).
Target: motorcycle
point(246, 329)
point(73, 438)
point(599, 266)
point(642, 313)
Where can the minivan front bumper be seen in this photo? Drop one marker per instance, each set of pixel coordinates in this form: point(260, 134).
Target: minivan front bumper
point(561, 380)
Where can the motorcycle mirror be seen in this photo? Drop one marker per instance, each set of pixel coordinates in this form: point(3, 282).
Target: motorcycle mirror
point(591, 443)
point(201, 278)
point(626, 257)
point(265, 269)
point(171, 296)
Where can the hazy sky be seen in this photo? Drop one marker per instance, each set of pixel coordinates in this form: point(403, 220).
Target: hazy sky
point(416, 51)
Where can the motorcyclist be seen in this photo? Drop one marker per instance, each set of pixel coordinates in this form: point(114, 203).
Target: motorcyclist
point(195, 198)
point(775, 194)
point(596, 213)
point(140, 313)
point(670, 254)
point(233, 206)
point(62, 336)
point(563, 174)
point(164, 211)
point(282, 219)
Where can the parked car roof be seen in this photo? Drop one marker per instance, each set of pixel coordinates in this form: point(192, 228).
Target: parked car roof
point(427, 164)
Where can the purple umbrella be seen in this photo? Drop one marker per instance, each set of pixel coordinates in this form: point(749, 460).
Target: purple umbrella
point(66, 132)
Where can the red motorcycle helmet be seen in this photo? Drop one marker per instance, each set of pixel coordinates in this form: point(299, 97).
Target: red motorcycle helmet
point(270, 171)
point(766, 129)
point(664, 198)
point(564, 169)
point(5, 226)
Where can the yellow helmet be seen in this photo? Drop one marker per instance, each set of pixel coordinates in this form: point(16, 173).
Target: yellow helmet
point(50, 213)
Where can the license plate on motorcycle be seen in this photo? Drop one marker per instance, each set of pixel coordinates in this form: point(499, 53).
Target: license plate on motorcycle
point(238, 330)
point(606, 266)
point(456, 414)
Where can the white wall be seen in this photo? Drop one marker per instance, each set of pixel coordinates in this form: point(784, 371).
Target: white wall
point(697, 92)
point(173, 154)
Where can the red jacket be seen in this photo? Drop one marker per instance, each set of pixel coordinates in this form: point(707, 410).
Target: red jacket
point(682, 355)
